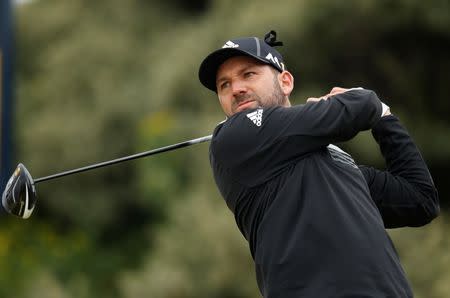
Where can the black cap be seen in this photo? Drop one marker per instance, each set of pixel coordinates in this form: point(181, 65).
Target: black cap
point(261, 50)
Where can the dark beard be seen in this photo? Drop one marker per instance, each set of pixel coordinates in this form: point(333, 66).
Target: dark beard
point(238, 99)
point(277, 98)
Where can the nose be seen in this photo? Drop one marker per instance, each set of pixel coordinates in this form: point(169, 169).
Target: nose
point(238, 87)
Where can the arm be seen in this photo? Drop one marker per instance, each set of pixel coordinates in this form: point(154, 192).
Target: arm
point(341, 114)
point(253, 153)
point(405, 193)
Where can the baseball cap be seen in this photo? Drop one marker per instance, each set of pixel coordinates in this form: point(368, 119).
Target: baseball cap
point(261, 50)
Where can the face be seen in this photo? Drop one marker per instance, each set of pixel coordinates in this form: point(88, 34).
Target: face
point(245, 83)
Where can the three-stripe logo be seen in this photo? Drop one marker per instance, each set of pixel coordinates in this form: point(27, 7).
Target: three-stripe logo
point(256, 117)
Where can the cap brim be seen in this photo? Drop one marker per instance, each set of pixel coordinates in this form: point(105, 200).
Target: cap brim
point(208, 69)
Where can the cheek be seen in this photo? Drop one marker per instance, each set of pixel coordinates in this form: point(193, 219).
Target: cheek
point(265, 91)
point(225, 103)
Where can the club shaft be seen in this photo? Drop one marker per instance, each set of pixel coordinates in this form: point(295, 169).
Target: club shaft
point(125, 158)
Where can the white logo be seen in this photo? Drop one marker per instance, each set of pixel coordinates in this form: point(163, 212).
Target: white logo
point(256, 117)
point(230, 44)
point(339, 155)
point(27, 212)
point(274, 60)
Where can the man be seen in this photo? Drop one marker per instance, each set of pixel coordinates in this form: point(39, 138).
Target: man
point(314, 220)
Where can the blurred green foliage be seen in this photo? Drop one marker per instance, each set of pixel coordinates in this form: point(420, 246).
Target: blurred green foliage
point(101, 79)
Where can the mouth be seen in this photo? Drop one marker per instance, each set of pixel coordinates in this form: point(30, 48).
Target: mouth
point(244, 104)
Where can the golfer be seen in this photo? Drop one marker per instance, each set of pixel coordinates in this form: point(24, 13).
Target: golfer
point(315, 221)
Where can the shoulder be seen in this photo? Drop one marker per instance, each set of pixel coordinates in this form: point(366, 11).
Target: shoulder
point(240, 126)
point(243, 132)
point(253, 122)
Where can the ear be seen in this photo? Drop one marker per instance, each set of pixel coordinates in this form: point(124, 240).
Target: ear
point(286, 81)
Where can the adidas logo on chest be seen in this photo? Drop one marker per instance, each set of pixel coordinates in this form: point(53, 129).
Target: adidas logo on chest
point(256, 117)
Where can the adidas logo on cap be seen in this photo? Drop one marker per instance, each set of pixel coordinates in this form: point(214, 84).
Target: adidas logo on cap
point(230, 44)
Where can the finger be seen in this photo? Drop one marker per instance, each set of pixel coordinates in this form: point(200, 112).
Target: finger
point(338, 90)
point(315, 99)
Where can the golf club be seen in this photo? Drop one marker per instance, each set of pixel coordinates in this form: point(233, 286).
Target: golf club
point(19, 197)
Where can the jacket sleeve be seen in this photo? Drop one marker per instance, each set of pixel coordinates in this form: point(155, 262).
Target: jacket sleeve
point(255, 152)
point(336, 119)
point(404, 193)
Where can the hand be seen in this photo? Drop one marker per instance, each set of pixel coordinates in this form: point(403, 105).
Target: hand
point(339, 90)
point(334, 91)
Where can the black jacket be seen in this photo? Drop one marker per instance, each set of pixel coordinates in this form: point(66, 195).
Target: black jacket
point(314, 220)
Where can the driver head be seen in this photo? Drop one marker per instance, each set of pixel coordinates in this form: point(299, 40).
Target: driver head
point(19, 196)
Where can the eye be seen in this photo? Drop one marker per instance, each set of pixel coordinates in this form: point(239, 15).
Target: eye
point(249, 74)
point(224, 85)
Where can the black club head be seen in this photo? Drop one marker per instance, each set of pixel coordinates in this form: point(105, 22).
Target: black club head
point(19, 196)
